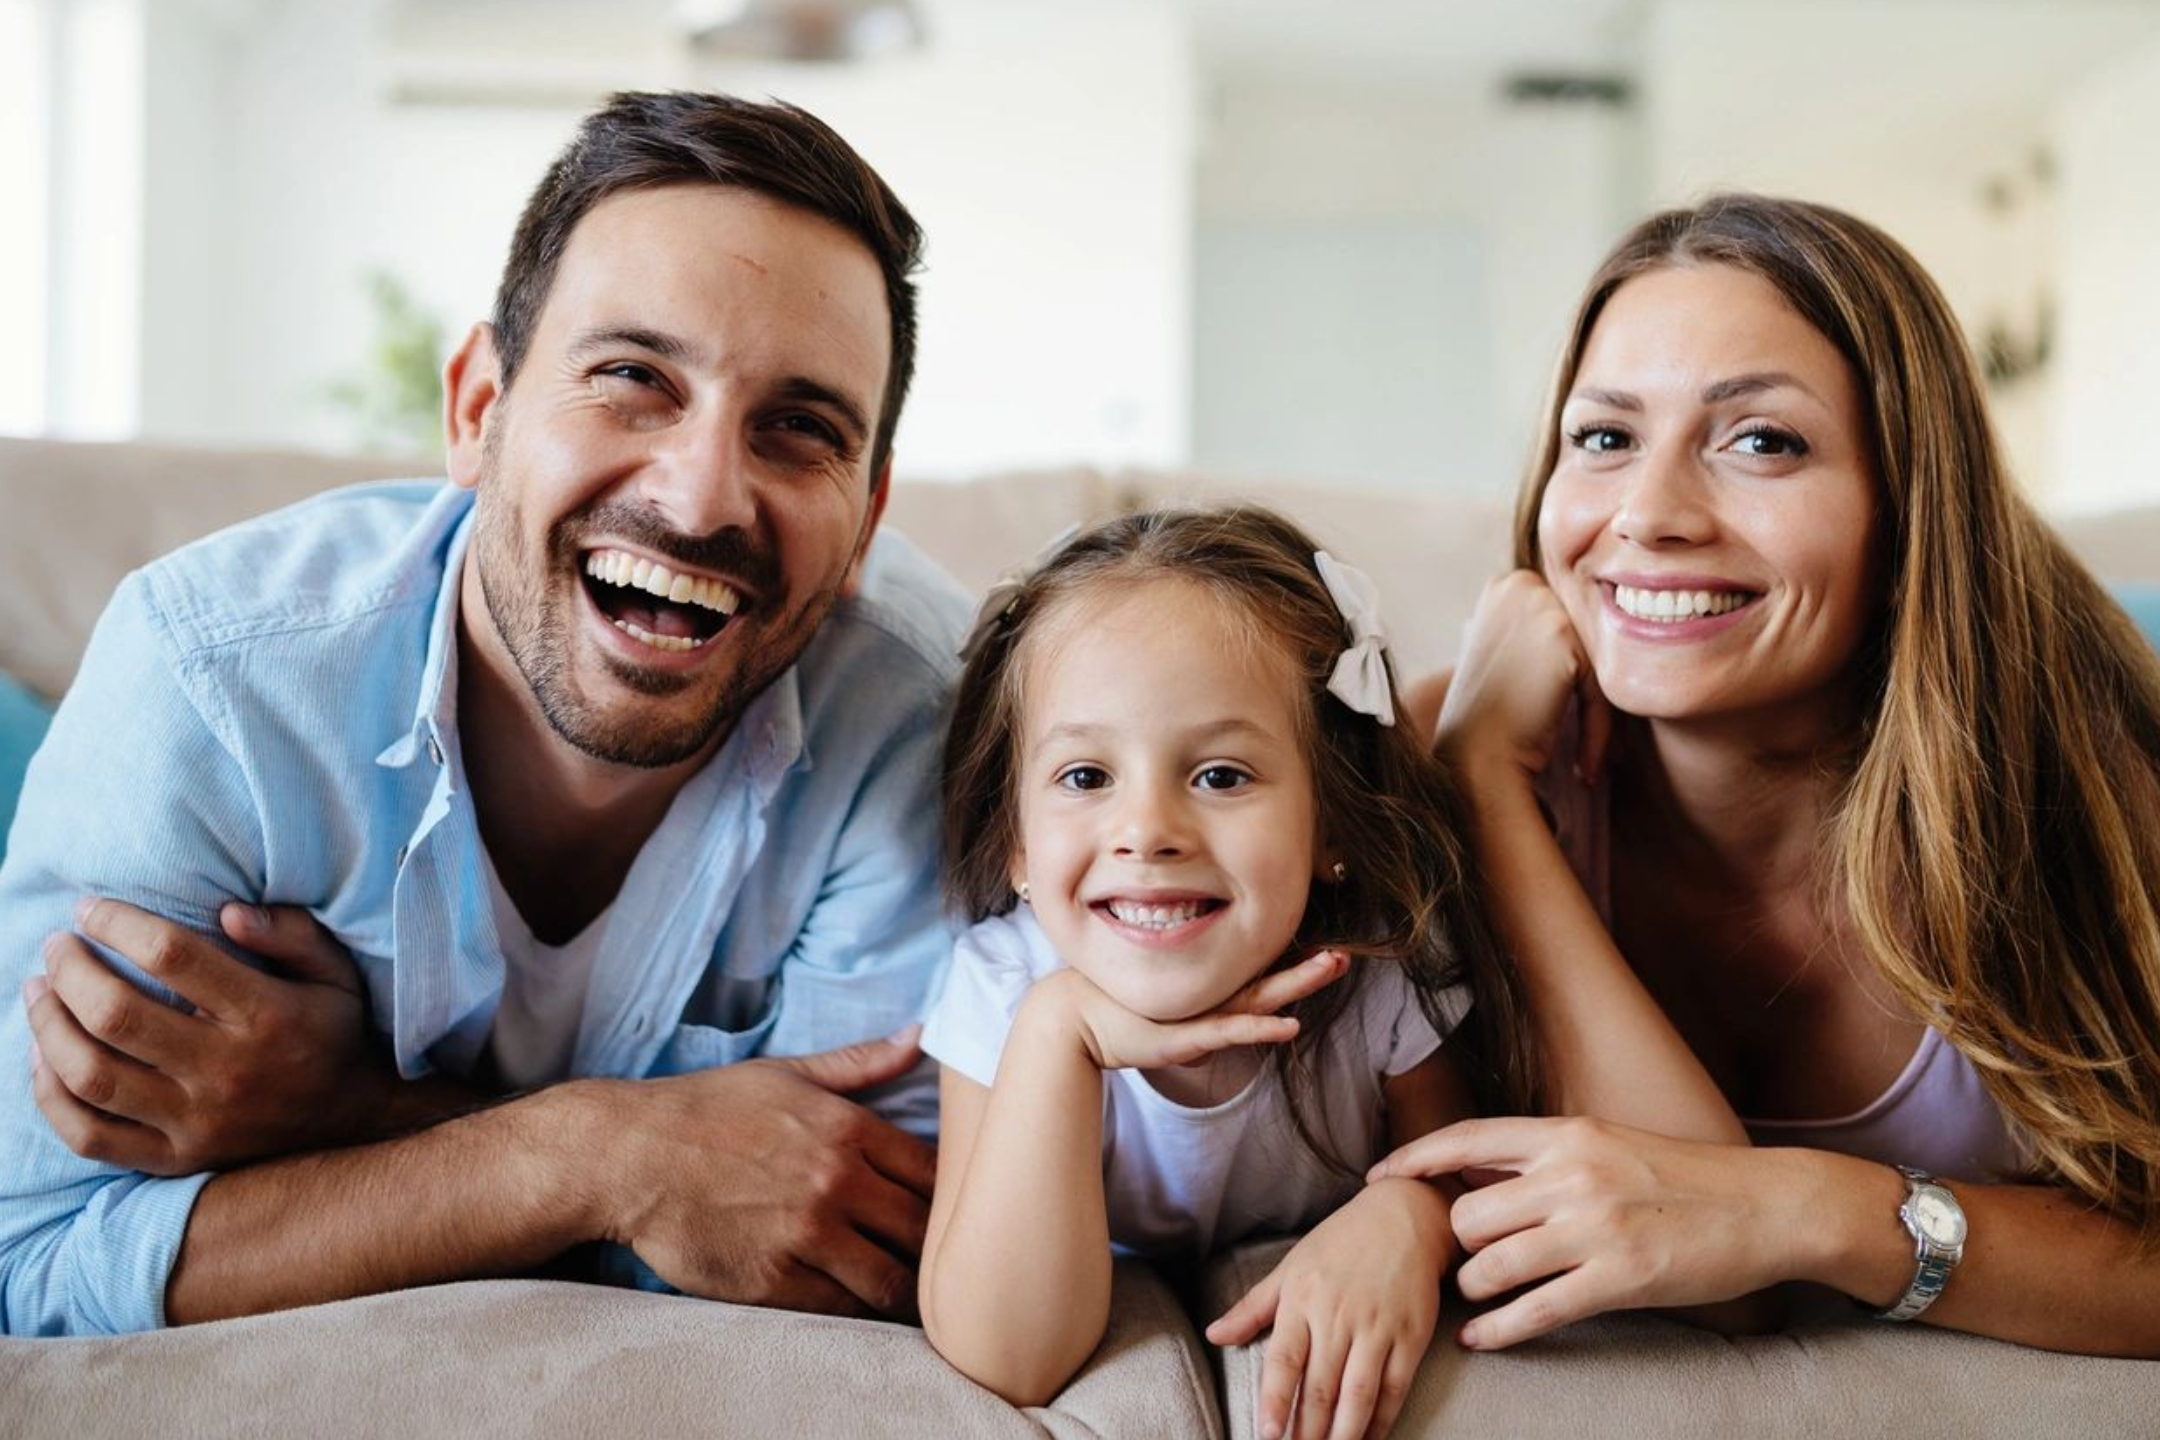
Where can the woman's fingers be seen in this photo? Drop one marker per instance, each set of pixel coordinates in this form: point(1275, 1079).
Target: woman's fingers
point(1287, 1351)
point(1507, 1142)
point(1516, 1260)
point(1562, 1301)
point(1594, 721)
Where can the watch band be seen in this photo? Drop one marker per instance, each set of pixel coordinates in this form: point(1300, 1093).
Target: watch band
point(1934, 1258)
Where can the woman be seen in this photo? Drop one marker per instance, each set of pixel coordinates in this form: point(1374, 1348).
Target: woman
point(1814, 779)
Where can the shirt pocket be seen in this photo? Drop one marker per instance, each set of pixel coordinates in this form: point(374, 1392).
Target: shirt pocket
point(704, 1047)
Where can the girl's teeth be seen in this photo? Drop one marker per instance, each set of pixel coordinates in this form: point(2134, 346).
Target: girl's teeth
point(1672, 606)
point(1159, 917)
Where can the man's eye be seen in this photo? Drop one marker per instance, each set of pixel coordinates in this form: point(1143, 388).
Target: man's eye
point(1221, 777)
point(1598, 439)
point(1769, 441)
point(1083, 777)
point(630, 371)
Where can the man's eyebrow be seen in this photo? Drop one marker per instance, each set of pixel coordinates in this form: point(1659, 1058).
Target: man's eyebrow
point(609, 337)
point(802, 387)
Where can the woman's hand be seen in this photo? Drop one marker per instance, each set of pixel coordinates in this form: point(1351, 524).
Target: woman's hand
point(1584, 1216)
point(1117, 1039)
point(1521, 662)
point(1353, 1306)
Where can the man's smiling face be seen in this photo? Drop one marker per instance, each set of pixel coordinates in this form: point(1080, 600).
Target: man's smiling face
point(675, 487)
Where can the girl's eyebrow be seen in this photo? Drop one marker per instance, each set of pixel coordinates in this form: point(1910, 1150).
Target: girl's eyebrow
point(1231, 725)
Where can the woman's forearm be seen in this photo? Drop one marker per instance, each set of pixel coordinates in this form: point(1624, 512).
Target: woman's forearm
point(1607, 1047)
point(1016, 1278)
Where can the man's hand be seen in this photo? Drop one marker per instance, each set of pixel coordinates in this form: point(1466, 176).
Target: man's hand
point(266, 1065)
point(758, 1183)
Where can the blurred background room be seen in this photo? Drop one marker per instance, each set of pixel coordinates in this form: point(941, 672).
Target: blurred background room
point(1249, 238)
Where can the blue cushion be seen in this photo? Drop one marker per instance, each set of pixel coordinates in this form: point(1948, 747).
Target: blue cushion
point(23, 718)
point(2143, 603)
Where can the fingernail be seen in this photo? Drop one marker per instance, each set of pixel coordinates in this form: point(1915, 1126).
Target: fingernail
point(37, 1059)
point(251, 917)
point(1467, 1337)
point(1271, 1431)
point(84, 908)
point(907, 1034)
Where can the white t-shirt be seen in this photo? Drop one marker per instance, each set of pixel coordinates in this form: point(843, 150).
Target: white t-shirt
point(543, 999)
point(1181, 1181)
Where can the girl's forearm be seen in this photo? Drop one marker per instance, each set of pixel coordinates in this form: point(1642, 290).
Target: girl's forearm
point(1608, 1049)
point(1016, 1281)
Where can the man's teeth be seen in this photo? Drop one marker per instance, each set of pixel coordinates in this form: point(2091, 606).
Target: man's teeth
point(658, 642)
point(1676, 605)
point(616, 568)
point(1157, 917)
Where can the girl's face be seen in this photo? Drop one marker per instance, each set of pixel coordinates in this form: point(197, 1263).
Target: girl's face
point(1167, 816)
point(1710, 524)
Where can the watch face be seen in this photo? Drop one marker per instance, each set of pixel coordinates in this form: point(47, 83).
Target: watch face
point(1938, 1216)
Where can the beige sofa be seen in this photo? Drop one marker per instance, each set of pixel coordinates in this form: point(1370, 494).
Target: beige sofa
point(547, 1358)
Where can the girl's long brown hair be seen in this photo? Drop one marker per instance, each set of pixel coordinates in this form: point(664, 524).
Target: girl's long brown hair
point(1997, 842)
point(1386, 806)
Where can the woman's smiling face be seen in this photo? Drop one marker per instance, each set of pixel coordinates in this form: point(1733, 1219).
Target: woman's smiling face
point(1710, 524)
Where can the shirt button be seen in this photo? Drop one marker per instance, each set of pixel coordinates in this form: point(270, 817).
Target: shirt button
point(399, 862)
point(434, 750)
point(639, 1024)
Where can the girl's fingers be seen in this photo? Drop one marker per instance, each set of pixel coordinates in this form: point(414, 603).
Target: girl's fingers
point(1279, 1376)
point(1286, 987)
point(1518, 1260)
point(1322, 1383)
point(1197, 1039)
point(1251, 1315)
point(1403, 1364)
point(1573, 1296)
point(1359, 1394)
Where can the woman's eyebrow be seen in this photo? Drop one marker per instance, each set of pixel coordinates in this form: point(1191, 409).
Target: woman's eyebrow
point(1610, 399)
point(1754, 384)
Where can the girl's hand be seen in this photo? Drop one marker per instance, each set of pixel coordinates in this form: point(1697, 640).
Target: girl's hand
point(1353, 1306)
point(1117, 1039)
point(1609, 1218)
point(1521, 662)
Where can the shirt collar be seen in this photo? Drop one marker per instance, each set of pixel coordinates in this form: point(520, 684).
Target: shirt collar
point(435, 714)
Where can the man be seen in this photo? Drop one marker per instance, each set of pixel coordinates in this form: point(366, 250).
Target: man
point(611, 765)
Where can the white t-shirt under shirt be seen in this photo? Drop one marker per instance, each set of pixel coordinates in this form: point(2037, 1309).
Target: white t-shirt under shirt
point(543, 998)
point(1181, 1181)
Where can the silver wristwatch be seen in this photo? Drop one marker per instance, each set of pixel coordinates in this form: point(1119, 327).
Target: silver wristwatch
point(1936, 1222)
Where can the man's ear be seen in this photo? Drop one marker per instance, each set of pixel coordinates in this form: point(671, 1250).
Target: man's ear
point(880, 493)
point(472, 384)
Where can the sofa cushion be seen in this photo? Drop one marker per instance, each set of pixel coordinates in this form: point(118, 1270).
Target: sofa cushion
point(23, 718)
point(1638, 1375)
point(549, 1358)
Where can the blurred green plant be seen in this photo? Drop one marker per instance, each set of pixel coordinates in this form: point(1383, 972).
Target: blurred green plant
point(395, 404)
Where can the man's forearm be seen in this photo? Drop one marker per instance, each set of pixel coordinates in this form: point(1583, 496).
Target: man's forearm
point(497, 1192)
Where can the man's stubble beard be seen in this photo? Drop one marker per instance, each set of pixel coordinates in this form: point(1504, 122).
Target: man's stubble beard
point(538, 636)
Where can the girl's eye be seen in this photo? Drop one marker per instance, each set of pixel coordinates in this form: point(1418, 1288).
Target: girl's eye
point(1221, 777)
point(1599, 439)
point(1083, 777)
point(1769, 442)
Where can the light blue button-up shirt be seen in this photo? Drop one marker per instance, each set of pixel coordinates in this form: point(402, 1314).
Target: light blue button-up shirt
point(271, 715)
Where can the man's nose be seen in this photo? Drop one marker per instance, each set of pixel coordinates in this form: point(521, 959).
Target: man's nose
point(1666, 501)
point(703, 476)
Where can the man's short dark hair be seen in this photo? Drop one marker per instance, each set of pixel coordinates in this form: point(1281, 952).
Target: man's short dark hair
point(642, 140)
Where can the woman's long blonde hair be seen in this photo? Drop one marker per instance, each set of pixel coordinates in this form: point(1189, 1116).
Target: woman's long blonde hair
point(1998, 838)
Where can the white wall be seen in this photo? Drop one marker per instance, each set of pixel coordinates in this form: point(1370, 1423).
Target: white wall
point(1514, 204)
point(2108, 249)
point(1045, 148)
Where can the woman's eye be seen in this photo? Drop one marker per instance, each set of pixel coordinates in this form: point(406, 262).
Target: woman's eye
point(1083, 777)
point(1599, 439)
point(1769, 442)
point(1221, 777)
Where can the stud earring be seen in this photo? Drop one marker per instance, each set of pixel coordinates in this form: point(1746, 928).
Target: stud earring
point(1023, 893)
point(1341, 872)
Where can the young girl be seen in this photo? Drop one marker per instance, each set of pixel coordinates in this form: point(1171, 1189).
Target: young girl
point(1173, 775)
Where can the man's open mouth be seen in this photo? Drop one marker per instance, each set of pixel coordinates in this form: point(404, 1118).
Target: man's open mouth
point(656, 606)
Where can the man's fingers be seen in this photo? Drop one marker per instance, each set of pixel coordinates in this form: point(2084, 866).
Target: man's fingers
point(95, 1135)
point(295, 940)
point(868, 1272)
point(1253, 1313)
point(1286, 987)
point(99, 1077)
point(1558, 1302)
point(1507, 1142)
point(894, 1213)
point(861, 1065)
point(900, 1157)
point(111, 1009)
point(1287, 1350)
point(176, 957)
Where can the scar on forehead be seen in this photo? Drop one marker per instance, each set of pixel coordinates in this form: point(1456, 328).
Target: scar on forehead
point(752, 264)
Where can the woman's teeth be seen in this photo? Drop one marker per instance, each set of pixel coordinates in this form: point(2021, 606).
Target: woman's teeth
point(1157, 917)
point(1675, 605)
